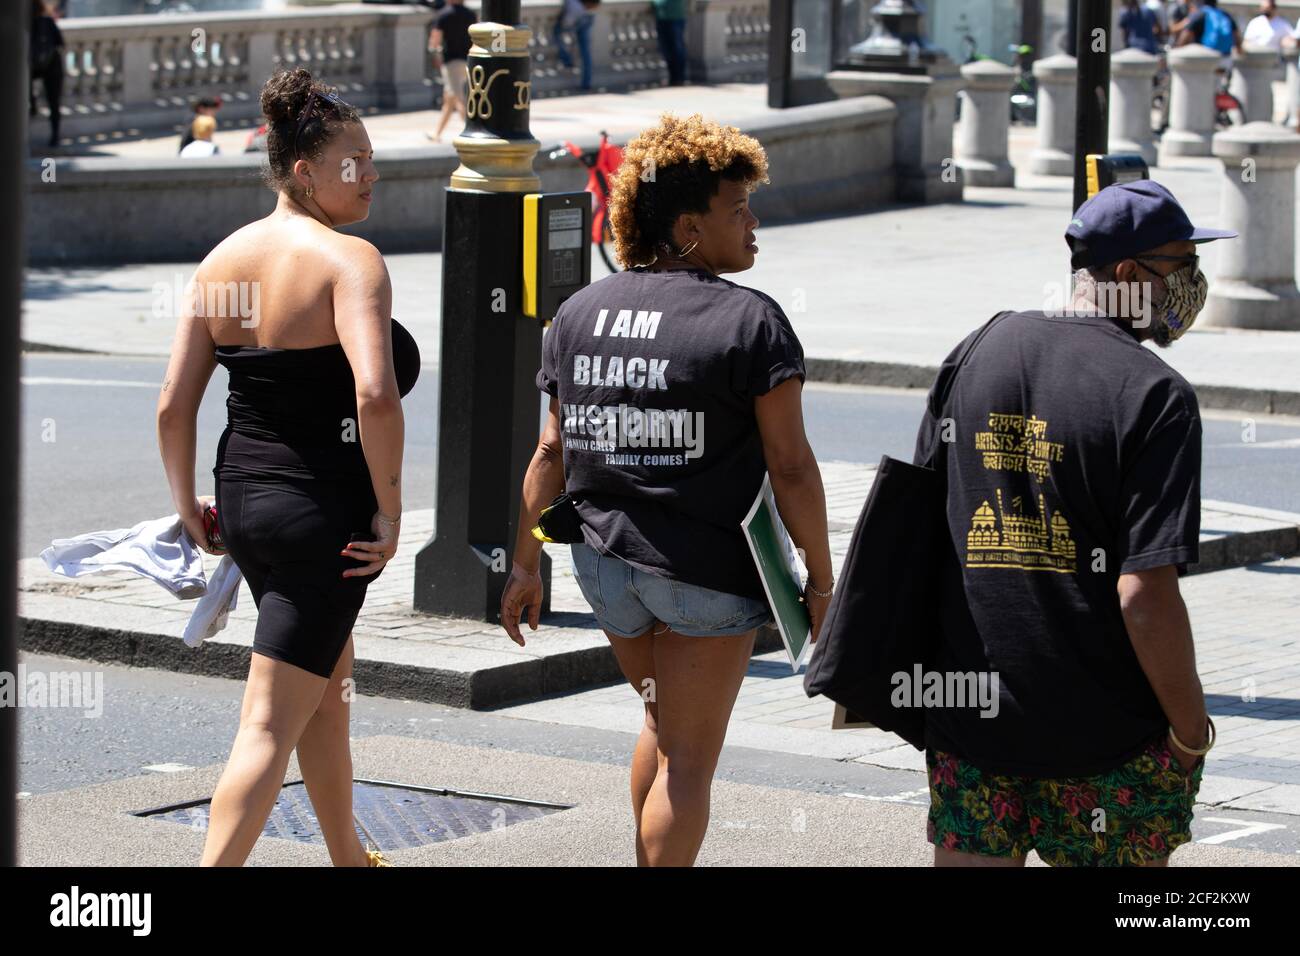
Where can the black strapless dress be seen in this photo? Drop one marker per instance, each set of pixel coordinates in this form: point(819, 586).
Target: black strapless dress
point(293, 487)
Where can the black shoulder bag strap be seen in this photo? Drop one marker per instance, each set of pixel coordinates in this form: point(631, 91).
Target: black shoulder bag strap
point(942, 402)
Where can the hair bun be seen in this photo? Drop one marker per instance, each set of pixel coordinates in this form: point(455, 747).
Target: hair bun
point(285, 94)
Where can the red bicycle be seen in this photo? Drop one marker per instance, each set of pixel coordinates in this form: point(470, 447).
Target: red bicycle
point(601, 165)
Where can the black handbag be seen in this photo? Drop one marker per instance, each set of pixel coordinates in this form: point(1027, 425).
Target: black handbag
point(559, 522)
point(886, 608)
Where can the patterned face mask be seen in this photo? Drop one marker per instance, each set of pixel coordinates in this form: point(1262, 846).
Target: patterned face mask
point(1185, 295)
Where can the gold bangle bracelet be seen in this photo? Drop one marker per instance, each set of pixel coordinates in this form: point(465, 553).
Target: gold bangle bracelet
point(1194, 750)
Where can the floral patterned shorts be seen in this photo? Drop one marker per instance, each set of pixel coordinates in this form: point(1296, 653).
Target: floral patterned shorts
point(1134, 814)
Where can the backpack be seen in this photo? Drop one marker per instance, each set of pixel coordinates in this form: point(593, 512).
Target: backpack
point(1217, 34)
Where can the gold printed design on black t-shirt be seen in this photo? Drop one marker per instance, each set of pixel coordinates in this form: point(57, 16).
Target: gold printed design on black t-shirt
point(1013, 539)
point(1017, 443)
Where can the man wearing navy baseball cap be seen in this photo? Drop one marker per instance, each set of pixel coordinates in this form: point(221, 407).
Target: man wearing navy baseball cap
point(1138, 251)
point(1072, 455)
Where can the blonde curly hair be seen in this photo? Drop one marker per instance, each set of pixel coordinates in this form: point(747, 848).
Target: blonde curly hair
point(672, 168)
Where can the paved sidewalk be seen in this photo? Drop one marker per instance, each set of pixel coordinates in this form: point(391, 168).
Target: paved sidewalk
point(749, 825)
point(888, 292)
point(552, 119)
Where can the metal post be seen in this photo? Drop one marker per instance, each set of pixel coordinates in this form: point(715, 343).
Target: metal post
point(13, 120)
point(1091, 124)
point(779, 53)
point(488, 402)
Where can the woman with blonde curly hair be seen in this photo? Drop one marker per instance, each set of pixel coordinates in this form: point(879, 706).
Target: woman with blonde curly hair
point(672, 391)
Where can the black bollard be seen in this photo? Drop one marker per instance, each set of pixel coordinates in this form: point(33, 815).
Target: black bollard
point(488, 414)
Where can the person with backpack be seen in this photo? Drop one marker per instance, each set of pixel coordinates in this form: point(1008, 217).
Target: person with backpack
point(46, 64)
point(1213, 28)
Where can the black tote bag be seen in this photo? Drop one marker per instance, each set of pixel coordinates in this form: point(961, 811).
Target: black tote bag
point(885, 612)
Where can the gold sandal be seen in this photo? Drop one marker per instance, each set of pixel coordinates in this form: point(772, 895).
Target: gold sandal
point(374, 857)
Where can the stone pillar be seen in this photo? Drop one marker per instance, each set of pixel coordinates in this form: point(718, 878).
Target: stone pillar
point(1131, 75)
point(1056, 77)
point(261, 59)
point(137, 73)
point(924, 170)
point(1252, 82)
point(706, 42)
point(1191, 101)
point(1254, 286)
point(410, 56)
point(1292, 90)
point(601, 66)
point(985, 119)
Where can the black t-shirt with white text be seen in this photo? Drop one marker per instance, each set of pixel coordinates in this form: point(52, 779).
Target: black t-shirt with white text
point(1072, 455)
point(656, 375)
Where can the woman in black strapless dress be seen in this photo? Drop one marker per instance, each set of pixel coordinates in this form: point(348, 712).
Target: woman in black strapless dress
point(308, 470)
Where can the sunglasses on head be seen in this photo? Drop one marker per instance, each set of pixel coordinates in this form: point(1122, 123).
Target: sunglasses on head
point(304, 117)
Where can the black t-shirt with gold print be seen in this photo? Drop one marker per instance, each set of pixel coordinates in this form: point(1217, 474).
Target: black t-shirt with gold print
point(1073, 455)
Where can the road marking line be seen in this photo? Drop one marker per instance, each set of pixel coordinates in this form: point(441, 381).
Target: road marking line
point(904, 797)
point(95, 382)
point(1245, 828)
point(168, 767)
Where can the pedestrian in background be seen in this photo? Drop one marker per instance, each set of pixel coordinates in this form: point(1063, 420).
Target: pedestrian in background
point(662, 559)
point(46, 54)
point(1270, 29)
point(576, 17)
point(201, 145)
point(207, 106)
point(449, 42)
point(670, 25)
point(1139, 25)
point(1072, 456)
point(1212, 28)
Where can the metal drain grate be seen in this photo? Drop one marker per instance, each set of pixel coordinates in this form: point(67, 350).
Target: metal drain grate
point(394, 816)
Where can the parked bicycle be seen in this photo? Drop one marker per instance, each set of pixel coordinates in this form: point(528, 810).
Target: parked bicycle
point(1024, 94)
point(1228, 110)
point(601, 165)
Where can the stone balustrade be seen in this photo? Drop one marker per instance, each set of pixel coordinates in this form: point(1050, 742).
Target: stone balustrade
point(141, 73)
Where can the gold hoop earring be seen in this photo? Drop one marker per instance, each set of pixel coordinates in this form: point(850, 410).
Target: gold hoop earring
point(688, 250)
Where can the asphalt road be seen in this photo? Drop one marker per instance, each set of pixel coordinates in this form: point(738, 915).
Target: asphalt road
point(90, 457)
point(155, 721)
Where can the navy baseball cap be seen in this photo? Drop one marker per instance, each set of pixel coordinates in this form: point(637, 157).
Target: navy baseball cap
point(1126, 219)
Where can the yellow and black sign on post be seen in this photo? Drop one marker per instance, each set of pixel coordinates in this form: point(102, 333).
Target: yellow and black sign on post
point(557, 250)
point(1107, 169)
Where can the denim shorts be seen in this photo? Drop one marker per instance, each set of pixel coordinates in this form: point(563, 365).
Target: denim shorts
point(627, 601)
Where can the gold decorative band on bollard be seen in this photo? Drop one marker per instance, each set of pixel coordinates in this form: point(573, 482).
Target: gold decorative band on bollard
point(496, 148)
